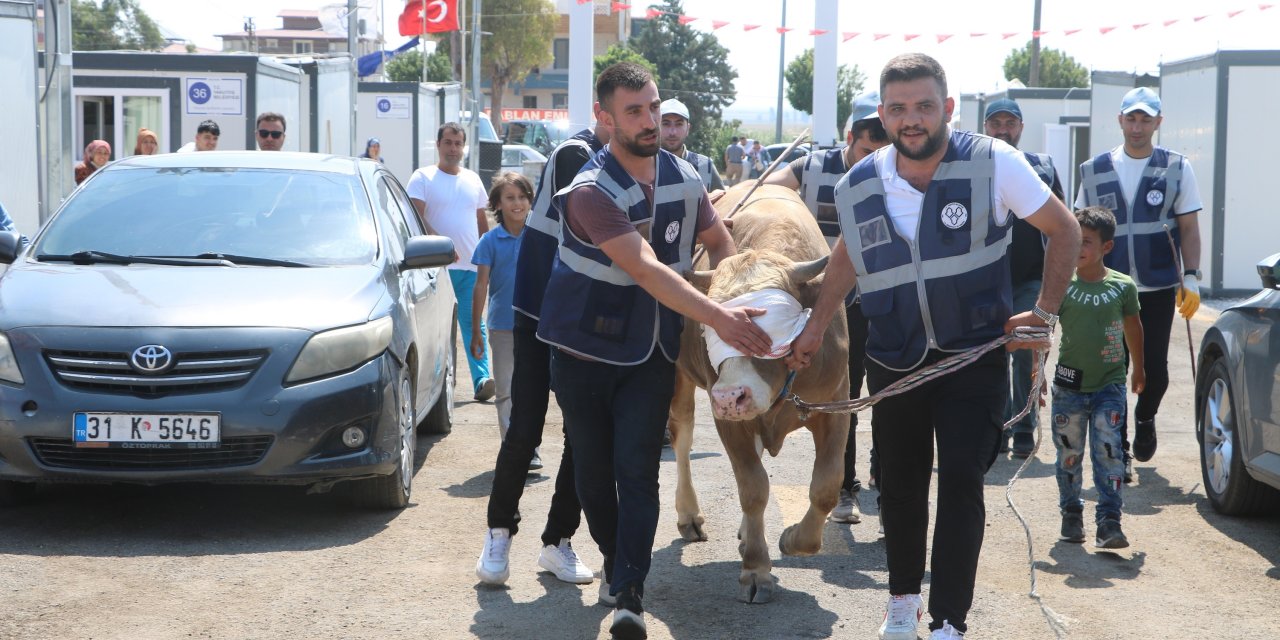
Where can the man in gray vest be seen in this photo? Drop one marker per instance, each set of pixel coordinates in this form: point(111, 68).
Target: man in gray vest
point(675, 129)
point(733, 157)
point(924, 235)
point(1026, 261)
point(1149, 189)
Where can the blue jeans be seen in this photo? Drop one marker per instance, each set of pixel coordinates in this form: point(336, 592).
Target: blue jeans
point(464, 283)
point(615, 416)
point(1102, 414)
point(1024, 297)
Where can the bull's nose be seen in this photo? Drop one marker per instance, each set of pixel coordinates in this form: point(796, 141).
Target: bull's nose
point(731, 400)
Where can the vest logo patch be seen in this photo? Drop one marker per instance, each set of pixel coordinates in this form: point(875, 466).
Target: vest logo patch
point(1155, 197)
point(673, 231)
point(873, 233)
point(1108, 200)
point(954, 215)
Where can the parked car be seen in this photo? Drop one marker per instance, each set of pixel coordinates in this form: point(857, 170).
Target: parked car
point(543, 135)
point(226, 317)
point(799, 152)
point(523, 160)
point(1238, 402)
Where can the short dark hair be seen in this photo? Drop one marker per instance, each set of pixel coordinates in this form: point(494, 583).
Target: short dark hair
point(271, 116)
point(627, 75)
point(502, 180)
point(913, 66)
point(209, 126)
point(453, 127)
point(1099, 219)
point(873, 127)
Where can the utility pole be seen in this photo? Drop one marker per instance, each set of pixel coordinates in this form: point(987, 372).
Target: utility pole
point(251, 30)
point(782, 62)
point(353, 41)
point(1034, 79)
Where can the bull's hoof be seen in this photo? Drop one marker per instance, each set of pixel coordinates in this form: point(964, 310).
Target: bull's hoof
point(692, 531)
point(757, 588)
point(788, 546)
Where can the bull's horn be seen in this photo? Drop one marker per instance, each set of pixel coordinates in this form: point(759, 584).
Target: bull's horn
point(802, 272)
point(701, 280)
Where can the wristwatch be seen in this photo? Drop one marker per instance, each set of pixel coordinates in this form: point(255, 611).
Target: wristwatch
point(1193, 272)
point(1049, 318)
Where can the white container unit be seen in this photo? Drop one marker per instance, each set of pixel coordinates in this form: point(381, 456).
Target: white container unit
point(1108, 89)
point(1054, 121)
point(20, 164)
point(404, 116)
point(326, 105)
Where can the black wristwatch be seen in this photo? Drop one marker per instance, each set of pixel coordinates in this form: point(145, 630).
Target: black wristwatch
point(1193, 272)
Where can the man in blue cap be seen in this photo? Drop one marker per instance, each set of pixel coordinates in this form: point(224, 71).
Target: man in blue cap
point(815, 177)
point(1149, 189)
point(1003, 120)
point(675, 129)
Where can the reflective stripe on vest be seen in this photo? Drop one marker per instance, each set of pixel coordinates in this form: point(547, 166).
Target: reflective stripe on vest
point(702, 165)
point(1043, 165)
point(822, 170)
point(947, 288)
point(1141, 247)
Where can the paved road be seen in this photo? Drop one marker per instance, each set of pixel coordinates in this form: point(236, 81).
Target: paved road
point(262, 562)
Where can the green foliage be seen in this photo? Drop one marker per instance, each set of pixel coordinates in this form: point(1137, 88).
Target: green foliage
point(720, 138)
point(115, 25)
point(622, 53)
point(407, 67)
point(522, 33)
point(799, 77)
point(1057, 69)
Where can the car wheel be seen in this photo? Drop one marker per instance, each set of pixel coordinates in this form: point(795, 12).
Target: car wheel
point(1231, 490)
point(393, 491)
point(15, 494)
point(440, 419)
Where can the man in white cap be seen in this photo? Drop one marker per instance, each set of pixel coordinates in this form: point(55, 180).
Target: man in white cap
point(1149, 189)
point(675, 128)
point(815, 177)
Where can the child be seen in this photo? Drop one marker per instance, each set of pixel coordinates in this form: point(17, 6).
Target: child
point(495, 260)
point(1099, 310)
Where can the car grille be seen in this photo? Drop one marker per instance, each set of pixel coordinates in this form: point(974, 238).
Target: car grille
point(192, 372)
point(231, 452)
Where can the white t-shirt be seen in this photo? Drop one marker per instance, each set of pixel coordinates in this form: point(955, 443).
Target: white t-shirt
point(1130, 172)
point(451, 202)
point(187, 148)
point(1017, 188)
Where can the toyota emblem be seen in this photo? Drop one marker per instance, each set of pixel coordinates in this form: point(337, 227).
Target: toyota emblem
point(151, 358)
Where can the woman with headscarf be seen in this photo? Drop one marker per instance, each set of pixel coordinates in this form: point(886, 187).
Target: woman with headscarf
point(373, 150)
point(148, 144)
point(96, 154)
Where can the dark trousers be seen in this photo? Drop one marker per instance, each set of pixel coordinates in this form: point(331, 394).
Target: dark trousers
point(615, 416)
point(963, 412)
point(857, 371)
point(530, 393)
point(1157, 324)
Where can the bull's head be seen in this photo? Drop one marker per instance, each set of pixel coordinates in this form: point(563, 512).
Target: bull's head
point(747, 387)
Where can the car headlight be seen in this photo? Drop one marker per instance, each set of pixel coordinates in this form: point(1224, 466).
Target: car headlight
point(329, 352)
point(9, 371)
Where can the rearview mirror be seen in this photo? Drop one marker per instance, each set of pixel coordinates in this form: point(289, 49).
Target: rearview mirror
point(422, 252)
point(1269, 271)
point(10, 245)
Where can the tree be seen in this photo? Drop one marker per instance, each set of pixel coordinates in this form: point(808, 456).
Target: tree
point(522, 33)
point(799, 77)
point(694, 67)
point(407, 67)
point(1057, 69)
point(116, 24)
point(622, 53)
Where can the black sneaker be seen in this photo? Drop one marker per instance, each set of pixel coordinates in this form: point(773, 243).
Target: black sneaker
point(1144, 444)
point(1024, 442)
point(628, 618)
point(1110, 536)
point(1072, 527)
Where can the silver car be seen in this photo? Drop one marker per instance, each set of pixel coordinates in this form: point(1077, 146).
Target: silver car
point(1238, 402)
point(226, 317)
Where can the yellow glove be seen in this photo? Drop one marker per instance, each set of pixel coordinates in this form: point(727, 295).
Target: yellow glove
point(1189, 296)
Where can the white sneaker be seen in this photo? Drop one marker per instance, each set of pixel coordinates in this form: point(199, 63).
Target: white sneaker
point(606, 599)
point(492, 567)
point(562, 561)
point(901, 617)
point(847, 509)
point(947, 632)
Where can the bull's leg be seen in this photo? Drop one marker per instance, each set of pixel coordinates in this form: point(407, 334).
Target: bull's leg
point(680, 421)
point(756, 583)
point(830, 433)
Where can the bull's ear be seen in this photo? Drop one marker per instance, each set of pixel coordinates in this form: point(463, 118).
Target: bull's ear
point(701, 280)
point(802, 272)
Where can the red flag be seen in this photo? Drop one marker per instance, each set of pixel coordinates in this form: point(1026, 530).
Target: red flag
point(882, 36)
point(652, 13)
point(942, 37)
point(908, 37)
point(817, 32)
point(1038, 34)
point(748, 27)
point(585, 1)
point(1140, 25)
point(849, 35)
point(428, 16)
point(1264, 7)
point(1070, 31)
point(716, 24)
point(685, 19)
point(1199, 18)
point(1008, 35)
point(618, 6)
point(1232, 14)
point(1105, 30)
point(977, 34)
point(1170, 22)
point(784, 29)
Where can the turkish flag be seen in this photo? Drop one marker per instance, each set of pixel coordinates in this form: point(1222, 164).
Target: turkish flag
point(428, 16)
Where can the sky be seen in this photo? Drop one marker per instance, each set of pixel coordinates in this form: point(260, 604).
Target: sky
point(973, 64)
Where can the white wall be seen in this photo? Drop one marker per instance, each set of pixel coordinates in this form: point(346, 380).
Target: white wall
point(1189, 104)
point(333, 110)
point(233, 127)
point(19, 164)
point(1036, 112)
point(281, 96)
point(1104, 128)
point(1251, 232)
point(395, 134)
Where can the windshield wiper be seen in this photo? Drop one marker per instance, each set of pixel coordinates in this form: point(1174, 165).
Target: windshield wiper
point(100, 257)
point(251, 260)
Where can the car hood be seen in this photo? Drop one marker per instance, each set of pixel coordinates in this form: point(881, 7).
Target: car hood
point(44, 294)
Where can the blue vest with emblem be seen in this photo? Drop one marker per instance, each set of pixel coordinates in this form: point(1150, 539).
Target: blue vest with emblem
point(1142, 249)
point(947, 288)
point(592, 307)
point(541, 234)
point(702, 165)
point(822, 171)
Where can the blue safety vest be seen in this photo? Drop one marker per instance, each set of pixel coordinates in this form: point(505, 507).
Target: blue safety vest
point(702, 165)
point(822, 171)
point(1142, 249)
point(593, 308)
point(947, 288)
point(541, 234)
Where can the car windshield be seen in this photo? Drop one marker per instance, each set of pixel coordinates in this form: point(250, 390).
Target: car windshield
point(312, 218)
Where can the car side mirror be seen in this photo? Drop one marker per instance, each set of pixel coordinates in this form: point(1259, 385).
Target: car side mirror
point(1269, 271)
point(423, 252)
point(10, 245)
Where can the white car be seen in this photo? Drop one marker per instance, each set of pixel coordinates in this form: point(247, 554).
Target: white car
point(525, 160)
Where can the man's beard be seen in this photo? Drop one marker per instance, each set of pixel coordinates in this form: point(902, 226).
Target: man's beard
point(672, 147)
point(933, 142)
point(1008, 139)
point(637, 148)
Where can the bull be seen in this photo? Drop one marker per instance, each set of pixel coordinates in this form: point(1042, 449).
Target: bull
point(780, 247)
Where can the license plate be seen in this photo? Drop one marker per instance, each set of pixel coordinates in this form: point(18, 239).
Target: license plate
point(147, 430)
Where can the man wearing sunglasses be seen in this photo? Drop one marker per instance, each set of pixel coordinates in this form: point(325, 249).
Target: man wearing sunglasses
point(270, 131)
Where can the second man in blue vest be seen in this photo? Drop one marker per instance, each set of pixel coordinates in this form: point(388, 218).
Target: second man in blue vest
point(675, 130)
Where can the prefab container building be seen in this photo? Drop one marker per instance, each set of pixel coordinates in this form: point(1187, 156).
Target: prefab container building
point(20, 163)
point(326, 105)
point(1108, 89)
point(1055, 121)
point(404, 117)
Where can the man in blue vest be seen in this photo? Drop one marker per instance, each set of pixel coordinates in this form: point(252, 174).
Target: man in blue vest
point(924, 236)
point(1149, 189)
point(1026, 260)
point(612, 311)
point(815, 176)
point(675, 129)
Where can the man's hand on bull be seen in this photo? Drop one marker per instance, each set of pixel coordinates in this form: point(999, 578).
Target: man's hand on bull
point(804, 346)
point(736, 327)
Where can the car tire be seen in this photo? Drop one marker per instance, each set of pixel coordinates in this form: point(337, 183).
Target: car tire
point(1231, 490)
point(16, 494)
point(394, 490)
point(440, 419)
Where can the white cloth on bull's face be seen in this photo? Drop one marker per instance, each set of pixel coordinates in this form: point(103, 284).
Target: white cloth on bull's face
point(783, 320)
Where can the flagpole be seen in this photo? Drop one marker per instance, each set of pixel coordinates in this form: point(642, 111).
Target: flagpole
point(423, 42)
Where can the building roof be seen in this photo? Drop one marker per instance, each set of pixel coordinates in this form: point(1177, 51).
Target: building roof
point(298, 13)
point(309, 34)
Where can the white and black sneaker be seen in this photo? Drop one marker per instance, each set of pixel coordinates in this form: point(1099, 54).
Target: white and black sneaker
point(846, 510)
point(901, 617)
point(628, 618)
point(492, 567)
